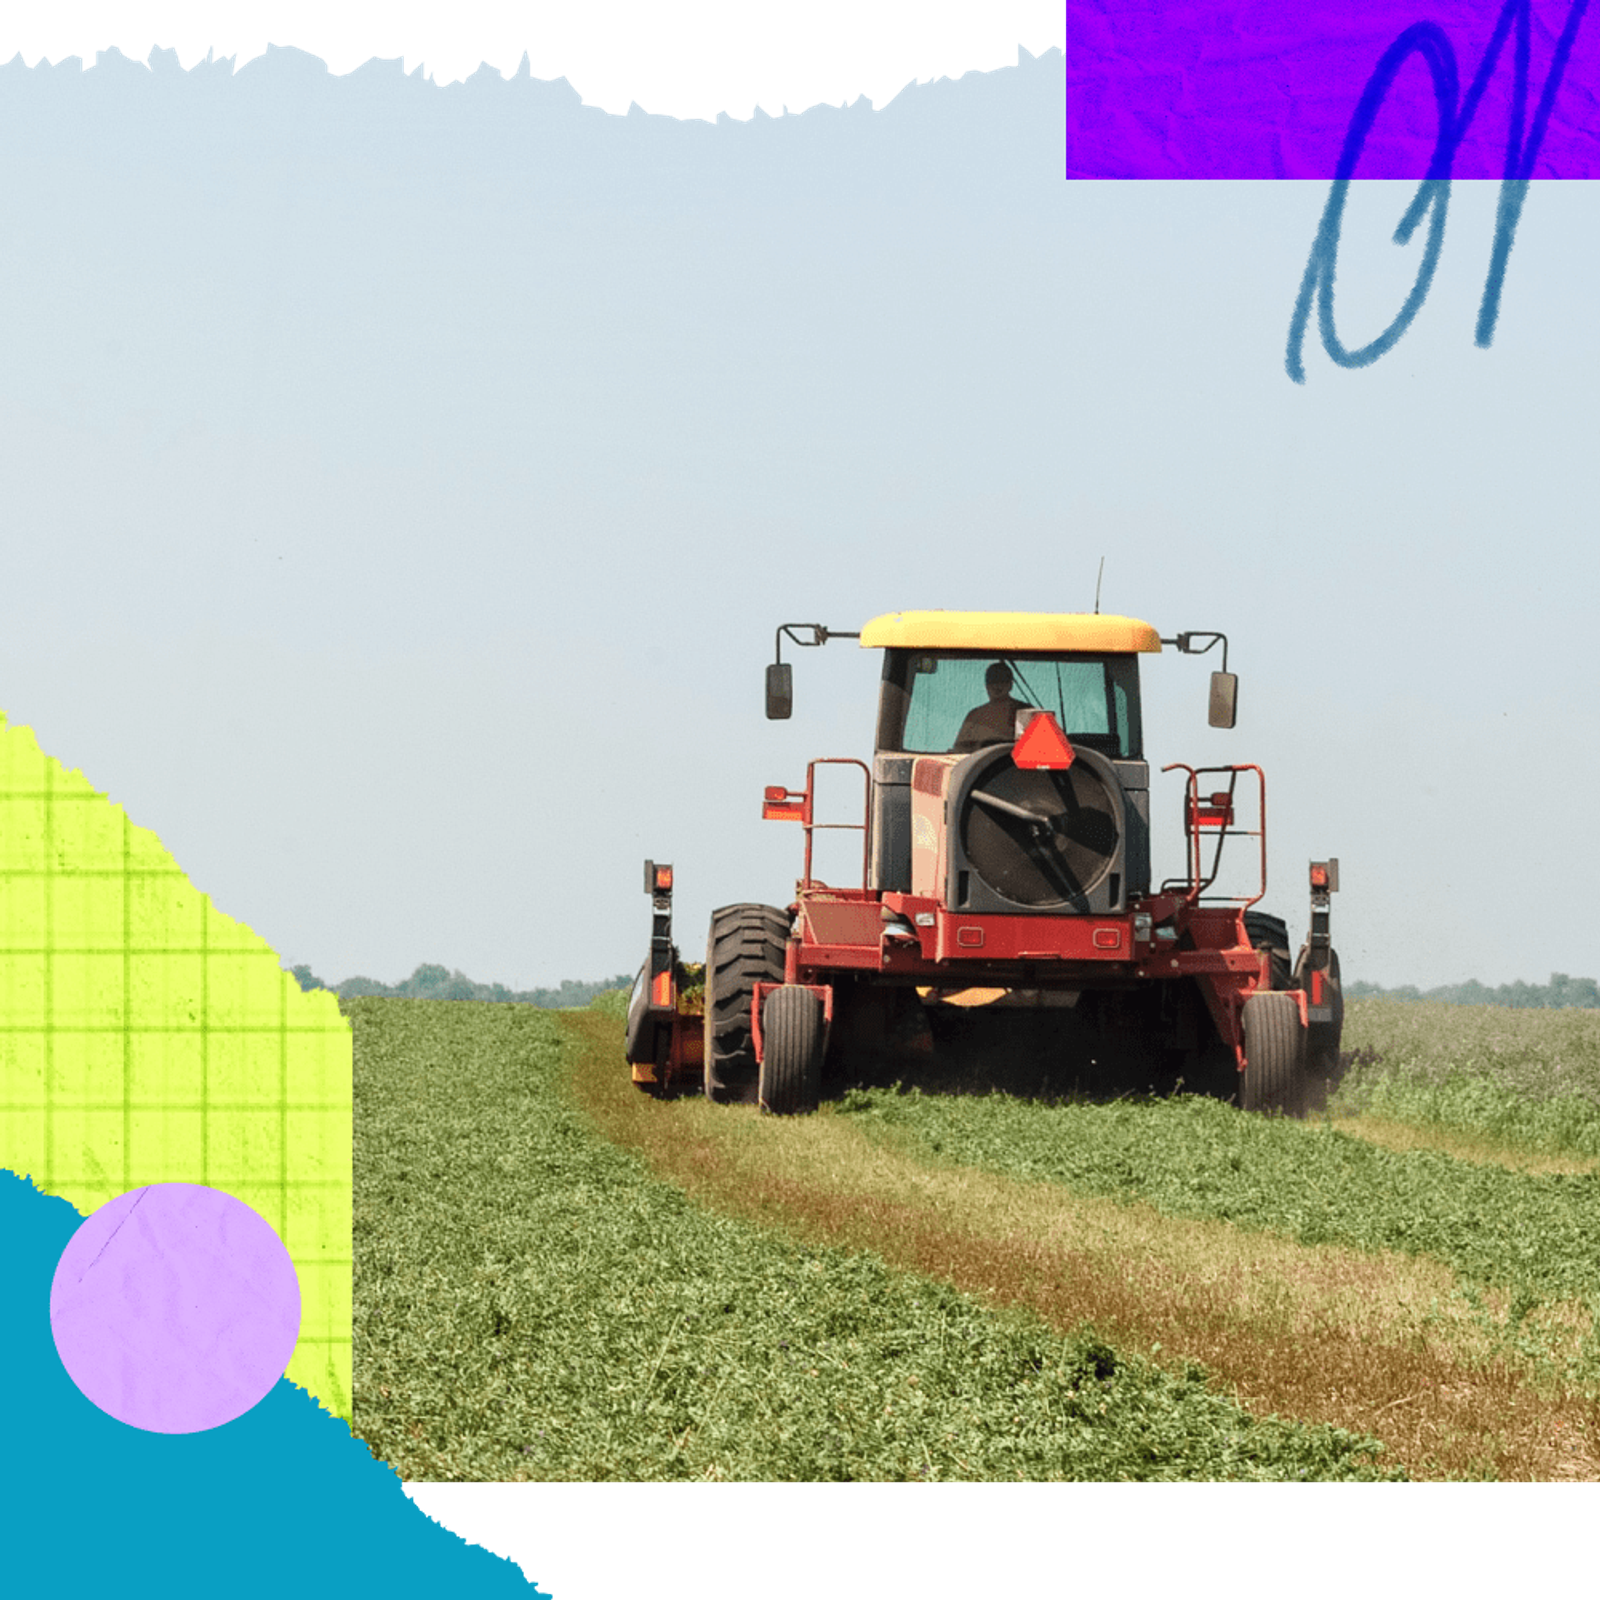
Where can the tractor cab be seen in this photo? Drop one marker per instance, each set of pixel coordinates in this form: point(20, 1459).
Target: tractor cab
point(959, 690)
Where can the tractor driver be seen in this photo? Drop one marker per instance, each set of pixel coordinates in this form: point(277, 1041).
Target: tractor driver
point(995, 721)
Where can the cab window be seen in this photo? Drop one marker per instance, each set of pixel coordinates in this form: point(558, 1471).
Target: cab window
point(941, 701)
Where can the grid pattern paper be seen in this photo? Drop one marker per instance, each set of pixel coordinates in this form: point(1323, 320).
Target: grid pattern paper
point(147, 1038)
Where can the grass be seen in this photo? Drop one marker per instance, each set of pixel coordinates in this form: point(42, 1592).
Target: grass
point(1484, 1148)
point(1460, 1382)
point(1194, 1157)
point(532, 1302)
point(1525, 1080)
point(557, 1277)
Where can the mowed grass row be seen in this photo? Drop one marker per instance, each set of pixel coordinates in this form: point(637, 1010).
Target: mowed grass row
point(1445, 1305)
point(1529, 1080)
point(1523, 1250)
point(531, 1302)
point(1536, 1236)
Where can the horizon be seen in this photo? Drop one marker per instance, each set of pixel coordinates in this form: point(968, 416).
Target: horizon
point(624, 979)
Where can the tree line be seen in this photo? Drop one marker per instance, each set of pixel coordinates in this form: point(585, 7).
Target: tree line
point(1560, 991)
point(433, 982)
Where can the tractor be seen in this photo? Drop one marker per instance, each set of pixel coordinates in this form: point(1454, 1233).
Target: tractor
point(1005, 863)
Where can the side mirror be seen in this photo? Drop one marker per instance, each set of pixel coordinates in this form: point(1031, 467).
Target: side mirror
point(780, 691)
point(1224, 699)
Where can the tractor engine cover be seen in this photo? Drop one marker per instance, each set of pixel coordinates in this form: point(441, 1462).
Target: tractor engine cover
point(1037, 841)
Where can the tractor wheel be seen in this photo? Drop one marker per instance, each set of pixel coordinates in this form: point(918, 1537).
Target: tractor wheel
point(745, 948)
point(793, 1037)
point(1274, 1054)
point(1271, 934)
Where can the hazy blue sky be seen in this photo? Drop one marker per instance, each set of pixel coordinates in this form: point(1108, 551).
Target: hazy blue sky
point(405, 483)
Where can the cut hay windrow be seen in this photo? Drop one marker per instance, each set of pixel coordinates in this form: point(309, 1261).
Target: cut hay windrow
point(1459, 1377)
point(531, 1302)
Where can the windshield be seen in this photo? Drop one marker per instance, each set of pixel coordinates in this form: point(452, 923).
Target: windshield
point(940, 701)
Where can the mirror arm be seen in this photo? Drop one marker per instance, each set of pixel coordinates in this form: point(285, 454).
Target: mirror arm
point(1186, 644)
point(819, 635)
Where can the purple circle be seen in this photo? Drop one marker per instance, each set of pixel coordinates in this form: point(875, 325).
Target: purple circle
point(175, 1307)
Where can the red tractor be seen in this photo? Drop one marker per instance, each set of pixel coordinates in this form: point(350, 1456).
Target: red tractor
point(1005, 861)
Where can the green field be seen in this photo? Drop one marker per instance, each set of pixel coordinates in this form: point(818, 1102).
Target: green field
point(1528, 1078)
point(530, 1302)
point(556, 1278)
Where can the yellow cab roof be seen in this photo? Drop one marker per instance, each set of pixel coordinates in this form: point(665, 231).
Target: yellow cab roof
point(1008, 631)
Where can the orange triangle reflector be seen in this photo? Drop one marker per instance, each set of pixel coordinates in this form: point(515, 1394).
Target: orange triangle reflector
point(1042, 746)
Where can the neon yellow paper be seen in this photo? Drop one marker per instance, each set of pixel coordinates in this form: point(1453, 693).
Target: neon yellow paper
point(147, 1038)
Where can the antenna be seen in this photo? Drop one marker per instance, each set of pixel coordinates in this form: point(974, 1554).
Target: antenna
point(1100, 575)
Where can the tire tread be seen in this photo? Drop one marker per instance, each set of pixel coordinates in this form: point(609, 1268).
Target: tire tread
point(794, 1036)
point(1274, 1049)
point(745, 947)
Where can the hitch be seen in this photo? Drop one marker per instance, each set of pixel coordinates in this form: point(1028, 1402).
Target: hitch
point(1324, 884)
point(662, 1038)
point(658, 885)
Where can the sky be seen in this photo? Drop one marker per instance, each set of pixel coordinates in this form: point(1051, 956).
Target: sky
point(413, 478)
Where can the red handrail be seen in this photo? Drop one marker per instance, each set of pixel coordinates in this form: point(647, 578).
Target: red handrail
point(1216, 812)
point(865, 826)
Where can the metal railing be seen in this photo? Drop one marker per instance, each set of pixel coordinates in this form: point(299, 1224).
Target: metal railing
point(1215, 813)
point(864, 827)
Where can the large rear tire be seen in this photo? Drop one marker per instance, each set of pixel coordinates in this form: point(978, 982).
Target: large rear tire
point(745, 948)
point(793, 1037)
point(1274, 1054)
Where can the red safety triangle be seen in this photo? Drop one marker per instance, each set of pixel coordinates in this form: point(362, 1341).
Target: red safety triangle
point(1042, 746)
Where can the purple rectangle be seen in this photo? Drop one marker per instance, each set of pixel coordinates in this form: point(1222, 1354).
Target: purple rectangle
point(1270, 88)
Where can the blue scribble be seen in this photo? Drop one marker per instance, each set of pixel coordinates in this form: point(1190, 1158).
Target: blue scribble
point(1432, 198)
